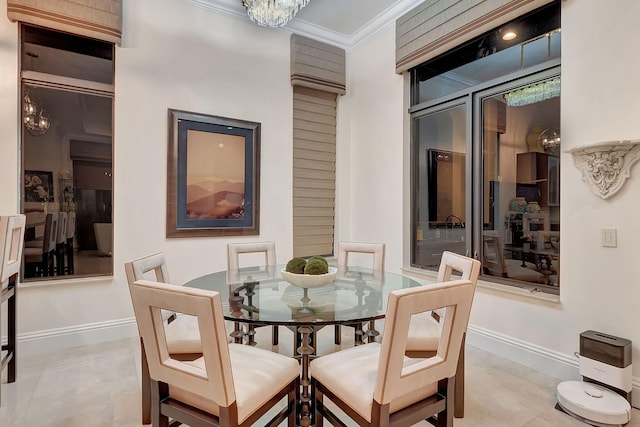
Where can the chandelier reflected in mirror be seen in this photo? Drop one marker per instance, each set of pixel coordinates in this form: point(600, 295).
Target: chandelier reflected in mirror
point(273, 13)
point(34, 115)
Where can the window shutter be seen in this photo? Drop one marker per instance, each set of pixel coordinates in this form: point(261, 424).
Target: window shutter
point(314, 171)
point(317, 65)
point(98, 19)
point(437, 26)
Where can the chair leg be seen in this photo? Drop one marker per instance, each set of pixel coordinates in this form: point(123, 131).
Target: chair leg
point(158, 392)
point(69, 248)
point(11, 329)
point(145, 386)
point(446, 387)
point(60, 259)
point(458, 400)
point(317, 402)
point(274, 335)
point(337, 335)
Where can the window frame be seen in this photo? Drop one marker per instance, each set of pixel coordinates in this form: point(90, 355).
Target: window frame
point(474, 161)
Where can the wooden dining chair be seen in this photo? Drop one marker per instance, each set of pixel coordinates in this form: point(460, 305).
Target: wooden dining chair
point(260, 253)
point(182, 335)
point(39, 254)
point(68, 247)
point(376, 384)
point(12, 229)
point(424, 330)
point(61, 240)
point(230, 385)
point(363, 254)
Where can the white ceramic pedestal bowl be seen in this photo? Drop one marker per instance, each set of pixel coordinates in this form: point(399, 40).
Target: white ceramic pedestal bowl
point(309, 280)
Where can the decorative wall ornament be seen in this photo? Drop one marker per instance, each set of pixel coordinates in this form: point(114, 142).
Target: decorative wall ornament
point(605, 166)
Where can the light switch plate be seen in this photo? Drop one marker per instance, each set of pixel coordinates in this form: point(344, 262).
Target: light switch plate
point(609, 238)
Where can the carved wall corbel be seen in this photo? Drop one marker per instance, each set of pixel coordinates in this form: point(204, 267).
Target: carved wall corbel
point(605, 166)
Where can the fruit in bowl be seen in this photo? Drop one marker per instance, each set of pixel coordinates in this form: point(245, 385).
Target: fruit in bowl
point(315, 272)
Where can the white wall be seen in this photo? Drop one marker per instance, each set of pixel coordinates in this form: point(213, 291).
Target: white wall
point(371, 210)
point(600, 287)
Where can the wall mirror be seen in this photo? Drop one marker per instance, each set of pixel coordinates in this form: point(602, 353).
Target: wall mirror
point(67, 145)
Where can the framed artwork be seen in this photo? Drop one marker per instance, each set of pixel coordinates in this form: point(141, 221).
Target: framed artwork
point(213, 173)
point(38, 186)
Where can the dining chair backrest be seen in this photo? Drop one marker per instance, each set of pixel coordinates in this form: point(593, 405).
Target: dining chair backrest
point(235, 250)
point(394, 381)
point(71, 225)
point(61, 231)
point(468, 268)
point(155, 264)
point(137, 269)
point(215, 383)
point(374, 249)
point(50, 232)
point(11, 244)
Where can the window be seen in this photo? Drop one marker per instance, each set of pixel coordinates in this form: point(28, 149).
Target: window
point(67, 95)
point(485, 145)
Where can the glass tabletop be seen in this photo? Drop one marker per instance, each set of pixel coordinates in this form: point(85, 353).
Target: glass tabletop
point(261, 295)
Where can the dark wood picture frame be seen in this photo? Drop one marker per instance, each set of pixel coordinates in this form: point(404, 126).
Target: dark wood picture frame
point(213, 176)
point(38, 186)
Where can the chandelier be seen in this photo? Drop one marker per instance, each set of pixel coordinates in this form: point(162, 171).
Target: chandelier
point(34, 116)
point(535, 93)
point(273, 13)
point(549, 140)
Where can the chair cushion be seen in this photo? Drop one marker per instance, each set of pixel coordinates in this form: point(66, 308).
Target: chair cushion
point(424, 333)
point(183, 335)
point(351, 375)
point(258, 375)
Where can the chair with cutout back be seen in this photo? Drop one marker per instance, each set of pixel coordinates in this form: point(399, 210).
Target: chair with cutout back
point(376, 384)
point(373, 254)
point(230, 385)
point(181, 332)
point(494, 262)
point(424, 330)
point(237, 250)
point(39, 253)
point(12, 229)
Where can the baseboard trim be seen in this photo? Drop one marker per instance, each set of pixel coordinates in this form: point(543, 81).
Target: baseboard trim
point(547, 361)
point(44, 341)
point(542, 359)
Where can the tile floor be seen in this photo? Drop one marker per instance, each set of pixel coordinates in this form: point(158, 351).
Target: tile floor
point(98, 386)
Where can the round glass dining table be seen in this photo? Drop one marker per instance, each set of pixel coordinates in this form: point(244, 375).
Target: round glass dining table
point(260, 296)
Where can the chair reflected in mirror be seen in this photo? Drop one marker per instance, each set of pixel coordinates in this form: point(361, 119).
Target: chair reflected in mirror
point(39, 253)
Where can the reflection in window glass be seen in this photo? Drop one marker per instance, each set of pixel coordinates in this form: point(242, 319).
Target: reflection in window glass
point(521, 226)
point(440, 176)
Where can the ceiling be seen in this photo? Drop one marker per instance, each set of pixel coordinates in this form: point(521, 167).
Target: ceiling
point(343, 23)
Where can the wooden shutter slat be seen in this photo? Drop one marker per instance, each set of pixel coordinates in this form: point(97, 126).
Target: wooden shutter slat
point(314, 151)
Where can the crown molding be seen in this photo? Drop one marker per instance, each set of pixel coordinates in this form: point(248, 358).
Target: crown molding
point(234, 9)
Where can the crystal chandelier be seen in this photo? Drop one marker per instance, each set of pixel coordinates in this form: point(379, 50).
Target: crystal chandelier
point(273, 13)
point(535, 93)
point(34, 116)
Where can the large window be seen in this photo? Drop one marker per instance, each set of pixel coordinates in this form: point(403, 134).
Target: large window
point(485, 154)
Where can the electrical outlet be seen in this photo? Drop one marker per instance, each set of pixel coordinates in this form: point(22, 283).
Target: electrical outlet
point(609, 238)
